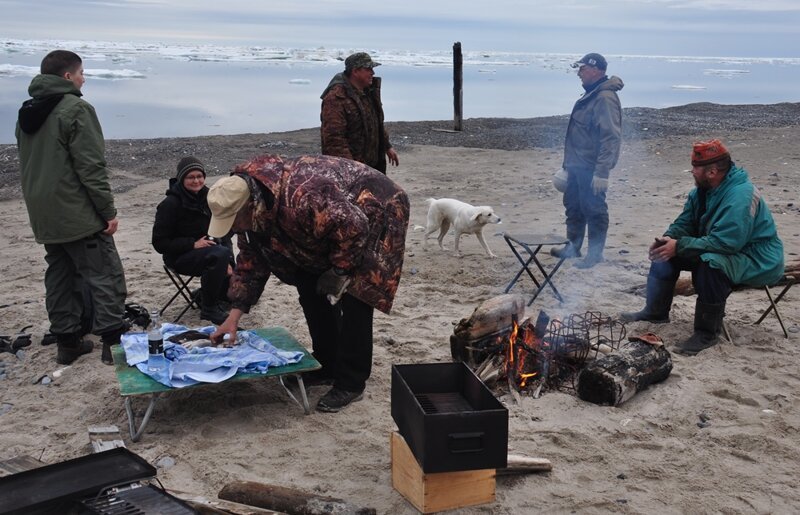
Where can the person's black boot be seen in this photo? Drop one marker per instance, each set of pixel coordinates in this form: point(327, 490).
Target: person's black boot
point(592, 258)
point(707, 326)
point(108, 339)
point(70, 347)
point(574, 242)
point(657, 306)
point(568, 251)
point(597, 242)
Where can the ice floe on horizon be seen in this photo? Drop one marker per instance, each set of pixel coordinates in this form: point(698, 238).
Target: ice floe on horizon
point(687, 87)
point(124, 52)
point(10, 70)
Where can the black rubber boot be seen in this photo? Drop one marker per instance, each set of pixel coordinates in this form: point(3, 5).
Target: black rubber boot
point(70, 347)
point(707, 326)
point(573, 248)
point(657, 306)
point(597, 242)
point(567, 251)
point(108, 339)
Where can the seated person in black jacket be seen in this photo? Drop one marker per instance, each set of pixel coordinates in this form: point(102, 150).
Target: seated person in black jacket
point(180, 235)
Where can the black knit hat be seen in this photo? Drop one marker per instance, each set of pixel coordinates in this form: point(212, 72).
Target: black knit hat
point(186, 165)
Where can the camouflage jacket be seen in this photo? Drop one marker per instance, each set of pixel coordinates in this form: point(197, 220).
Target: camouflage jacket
point(327, 212)
point(352, 123)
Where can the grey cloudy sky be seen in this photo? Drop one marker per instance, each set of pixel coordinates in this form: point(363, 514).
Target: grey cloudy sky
point(748, 28)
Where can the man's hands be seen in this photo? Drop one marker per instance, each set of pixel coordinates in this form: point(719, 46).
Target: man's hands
point(392, 155)
point(663, 249)
point(560, 180)
point(229, 326)
point(112, 226)
point(599, 185)
point(332, 285)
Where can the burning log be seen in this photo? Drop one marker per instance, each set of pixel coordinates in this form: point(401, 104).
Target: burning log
point(615, 378)
point(474, 337)
point(287, 500)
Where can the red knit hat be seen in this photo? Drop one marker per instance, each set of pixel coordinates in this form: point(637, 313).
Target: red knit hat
point(707, 152)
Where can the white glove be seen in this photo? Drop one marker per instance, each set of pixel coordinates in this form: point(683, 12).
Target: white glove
point(599, 185)
point(332, 285)
point(560, 180)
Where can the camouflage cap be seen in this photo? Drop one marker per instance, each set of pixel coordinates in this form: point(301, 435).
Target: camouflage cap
point(359, 60)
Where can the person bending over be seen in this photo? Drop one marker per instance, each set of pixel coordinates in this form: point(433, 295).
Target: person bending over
point(334, 229)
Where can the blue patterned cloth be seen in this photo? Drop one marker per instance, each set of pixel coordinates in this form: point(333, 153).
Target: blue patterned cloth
point(179, 367)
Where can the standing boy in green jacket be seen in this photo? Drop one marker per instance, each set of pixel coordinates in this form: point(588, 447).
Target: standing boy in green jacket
point(70, 206)
point(725, 236)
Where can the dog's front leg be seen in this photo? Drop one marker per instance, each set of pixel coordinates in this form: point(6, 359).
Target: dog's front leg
point(479, 234)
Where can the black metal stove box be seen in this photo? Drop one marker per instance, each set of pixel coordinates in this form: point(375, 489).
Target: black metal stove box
point(448, 417)
point(55, 488)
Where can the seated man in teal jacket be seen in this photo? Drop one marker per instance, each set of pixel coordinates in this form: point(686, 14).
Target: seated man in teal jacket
point(725, 236)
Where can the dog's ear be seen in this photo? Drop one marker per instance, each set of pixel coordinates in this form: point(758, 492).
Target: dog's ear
point(482, 211)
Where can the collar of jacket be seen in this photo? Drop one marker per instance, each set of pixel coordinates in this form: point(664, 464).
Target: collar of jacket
point(192, 201)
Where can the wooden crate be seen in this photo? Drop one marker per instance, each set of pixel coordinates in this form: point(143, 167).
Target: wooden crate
point(439, 491)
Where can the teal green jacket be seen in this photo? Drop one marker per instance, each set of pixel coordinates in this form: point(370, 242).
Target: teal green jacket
point(63, 168)
point(736, 234)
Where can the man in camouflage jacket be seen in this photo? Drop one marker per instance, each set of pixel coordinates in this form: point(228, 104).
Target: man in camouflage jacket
point(352, 115)
point(333, 228)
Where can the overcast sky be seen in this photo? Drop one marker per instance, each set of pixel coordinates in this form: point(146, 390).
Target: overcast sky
point(747, 28)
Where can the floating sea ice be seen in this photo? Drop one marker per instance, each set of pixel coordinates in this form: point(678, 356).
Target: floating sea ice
point(299, 81)
point(727, 74)
point(687, 87)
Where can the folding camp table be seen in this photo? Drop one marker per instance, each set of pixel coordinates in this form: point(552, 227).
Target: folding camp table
point(132, 382)
point(530, 245)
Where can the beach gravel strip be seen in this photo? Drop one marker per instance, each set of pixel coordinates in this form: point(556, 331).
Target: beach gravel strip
point(141, 160)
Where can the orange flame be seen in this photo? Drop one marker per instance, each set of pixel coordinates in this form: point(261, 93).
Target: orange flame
point(518, 355)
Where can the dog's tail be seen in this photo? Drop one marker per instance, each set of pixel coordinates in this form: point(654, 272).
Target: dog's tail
point(430, 200)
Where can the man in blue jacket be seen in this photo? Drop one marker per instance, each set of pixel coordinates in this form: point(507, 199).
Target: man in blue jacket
point(725, 236)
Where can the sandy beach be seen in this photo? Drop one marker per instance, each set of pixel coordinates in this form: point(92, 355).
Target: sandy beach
point(648, 455)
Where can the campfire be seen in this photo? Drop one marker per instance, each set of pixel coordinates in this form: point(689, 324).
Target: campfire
point(547, 354)
point(586, 353)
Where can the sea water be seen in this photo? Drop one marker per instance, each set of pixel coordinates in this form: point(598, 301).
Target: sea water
point(155, 90)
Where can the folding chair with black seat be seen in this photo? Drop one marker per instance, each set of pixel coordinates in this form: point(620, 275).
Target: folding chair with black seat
point(787, 282)
point(526, 249)
point(182, 284)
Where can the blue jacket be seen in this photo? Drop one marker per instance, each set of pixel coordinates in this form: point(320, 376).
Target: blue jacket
point(736, 234)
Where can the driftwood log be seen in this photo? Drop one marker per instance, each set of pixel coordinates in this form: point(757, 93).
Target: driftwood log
point(615, 378)
point(519, 464)
point(490, 320)
point(288, 500)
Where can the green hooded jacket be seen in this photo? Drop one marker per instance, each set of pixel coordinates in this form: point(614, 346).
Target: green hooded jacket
point(63, 168)
point(735, 234)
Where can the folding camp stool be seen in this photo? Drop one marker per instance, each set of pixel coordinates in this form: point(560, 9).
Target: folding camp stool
point(526, 248)
point(182, 286)
point(788, 282)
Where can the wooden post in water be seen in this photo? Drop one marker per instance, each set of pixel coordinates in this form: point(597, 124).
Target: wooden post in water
point(458, 79)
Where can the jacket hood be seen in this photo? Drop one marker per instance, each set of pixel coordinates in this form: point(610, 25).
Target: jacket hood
point(47, 91)
point(337, 79)
point(612, 83)
point(47, 85)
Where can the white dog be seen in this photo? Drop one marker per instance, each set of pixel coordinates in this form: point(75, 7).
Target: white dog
point(464, 218)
